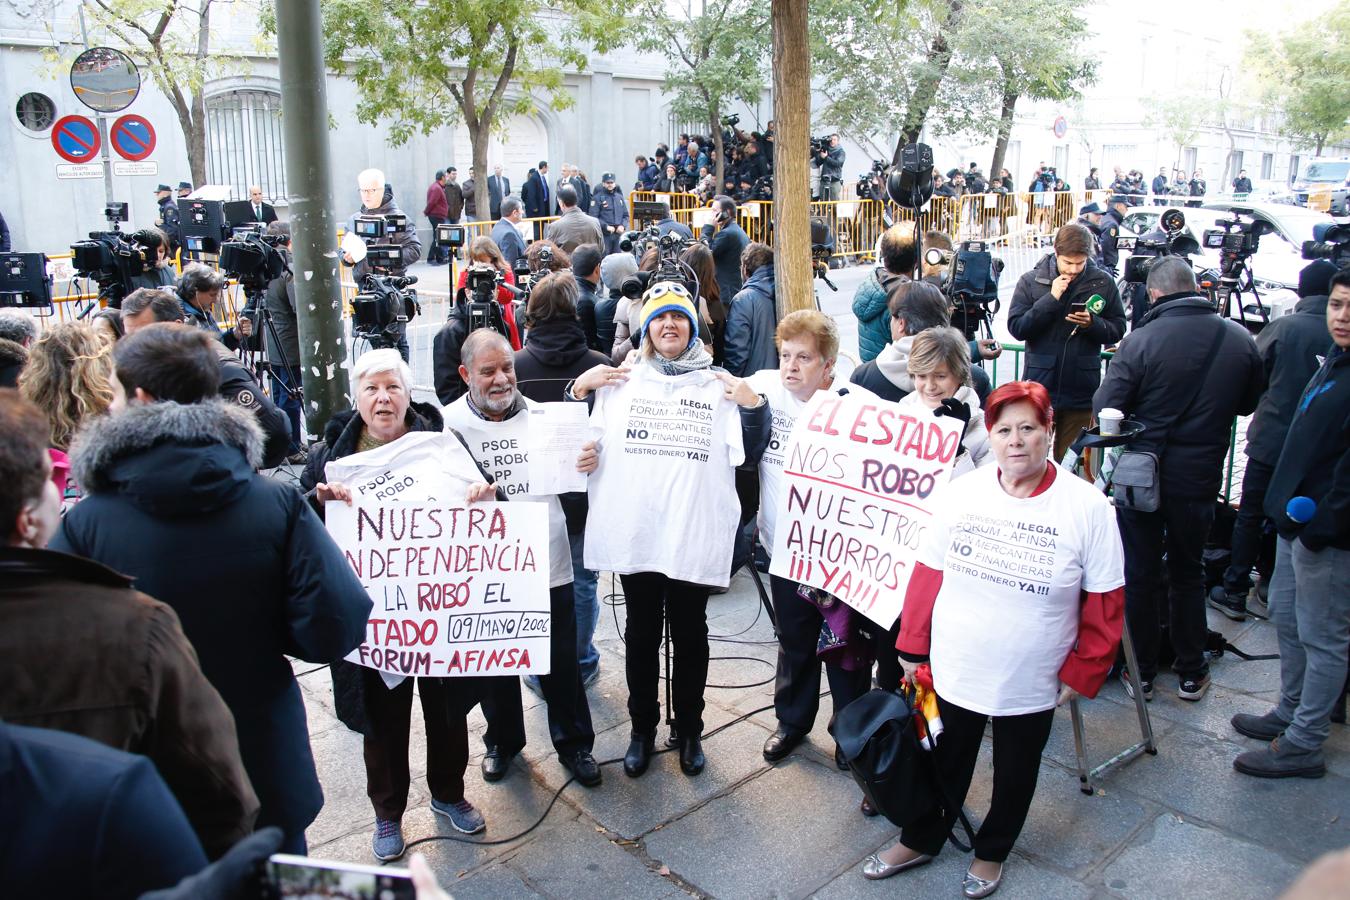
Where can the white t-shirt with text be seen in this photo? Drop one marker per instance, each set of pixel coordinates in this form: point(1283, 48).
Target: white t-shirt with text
point(784, 409)
point(664, 497)
point(1014, 570)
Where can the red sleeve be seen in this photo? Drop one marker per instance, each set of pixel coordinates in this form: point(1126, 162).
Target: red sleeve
point(1100, 619)
point(916, 619)
point(463, 279)
point(505, 297)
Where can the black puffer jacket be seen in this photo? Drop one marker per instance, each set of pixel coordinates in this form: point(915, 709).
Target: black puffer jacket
point(1289, 349)
point(555, 353)
point(1067, 361)
point(1153, 377)
point(172, 500)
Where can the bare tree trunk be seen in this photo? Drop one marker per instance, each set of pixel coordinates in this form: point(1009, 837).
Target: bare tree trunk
point(791, 176)
point(480, 138)
point(1005, 124)
point(720, 167)
point(196, 130)
point(925, 92)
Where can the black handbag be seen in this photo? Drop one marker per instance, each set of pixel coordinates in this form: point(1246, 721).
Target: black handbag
point(878, 734)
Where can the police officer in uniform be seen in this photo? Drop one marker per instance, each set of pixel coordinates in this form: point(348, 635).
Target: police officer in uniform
point(168, 221)
point(1108, 232)
point(609, 206)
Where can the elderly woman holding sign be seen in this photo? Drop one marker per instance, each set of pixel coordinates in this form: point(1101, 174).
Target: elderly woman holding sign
point(384, 413)
point(1017, 599)
point(808, 345)
point(672, 431)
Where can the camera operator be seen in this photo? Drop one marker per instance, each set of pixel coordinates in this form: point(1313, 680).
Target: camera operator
point(158, 247)
point(147, 307)
point(754, 167)
point(377, 199)
point(1063, 338)
point(830, 161)
point(727, 240)
point(282, 340)
point(1183, 377)
point(611, 208)
point(667, 224)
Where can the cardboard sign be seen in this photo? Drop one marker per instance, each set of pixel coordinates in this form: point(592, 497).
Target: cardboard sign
point(457, 590)
point(854, 504)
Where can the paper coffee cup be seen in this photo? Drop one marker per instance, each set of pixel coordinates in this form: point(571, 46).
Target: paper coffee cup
point(1109, 420)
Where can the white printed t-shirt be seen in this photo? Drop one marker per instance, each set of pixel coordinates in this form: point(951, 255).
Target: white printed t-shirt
point(784, 409)
point(664, 497)
point(1013, 573)
point(499, 448)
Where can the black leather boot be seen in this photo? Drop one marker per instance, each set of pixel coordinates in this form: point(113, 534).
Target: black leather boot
point(639, 754)
point(691, 754)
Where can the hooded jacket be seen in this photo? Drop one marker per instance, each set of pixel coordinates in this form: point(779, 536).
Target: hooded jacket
point(171, 499)
point(82, 652)
point(555, 353)
point(1153, 376)
point(887, 376)
point(752, 321)
point(871, 306)
point(1315, 462)
point(1290, 347)
point(1065, 359)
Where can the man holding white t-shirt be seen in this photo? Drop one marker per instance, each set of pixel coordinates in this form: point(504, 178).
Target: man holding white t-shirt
point(491, 421)
point(808, 344)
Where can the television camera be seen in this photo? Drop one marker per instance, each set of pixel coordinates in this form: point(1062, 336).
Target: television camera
point(110, 259)
point(204, 226)
point(1331, 240)
point(24, 280)
point(1237, 238)
point(384, 306)
point(970, 285)
point(1166, 240)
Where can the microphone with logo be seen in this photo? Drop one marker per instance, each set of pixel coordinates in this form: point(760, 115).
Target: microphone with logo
point(1094, 304)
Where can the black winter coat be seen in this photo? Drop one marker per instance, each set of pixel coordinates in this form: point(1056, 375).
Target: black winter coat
point(727, 245)
point(1316, 460)
point(1289, 348)
point(173, 501)
point(445, 347)
point(1153, 376)
point(1068, 364)
point(586, 300)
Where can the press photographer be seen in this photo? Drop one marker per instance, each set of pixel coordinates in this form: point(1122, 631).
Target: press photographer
point(274, 311)
point(828, 156)
point(377, 203)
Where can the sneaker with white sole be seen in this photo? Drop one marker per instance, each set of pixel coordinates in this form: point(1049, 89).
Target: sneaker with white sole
point(463, 815)
point(1192, 687)
point(388, 842)
point(1143, 683)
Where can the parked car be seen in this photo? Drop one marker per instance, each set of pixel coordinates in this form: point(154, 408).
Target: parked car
point(1322, 174)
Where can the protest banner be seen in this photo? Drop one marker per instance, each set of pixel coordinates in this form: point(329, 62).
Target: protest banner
point(854, 503)
point(457, 590)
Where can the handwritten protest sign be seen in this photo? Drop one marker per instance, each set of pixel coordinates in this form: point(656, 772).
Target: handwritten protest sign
point(456, 590)
point(853, 508)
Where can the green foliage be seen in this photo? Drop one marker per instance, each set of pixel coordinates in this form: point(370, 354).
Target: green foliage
point(419, 66)
point(1305, 74)
point(713, 58)
point(1181, 118)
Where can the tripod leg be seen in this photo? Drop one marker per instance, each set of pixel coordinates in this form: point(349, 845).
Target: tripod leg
point(1080, 747)
point(1132, 666)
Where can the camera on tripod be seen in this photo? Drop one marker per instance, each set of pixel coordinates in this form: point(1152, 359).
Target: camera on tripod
point(1234, 237)
point(971, 284)
point(382, 309)
point(1148, 250)
point(480, 283)
point(110, 258)
point(203, 226)
point(24, 280)
point(252, 258)
point(1331, 240)
point(450, 236)
point(375, 231)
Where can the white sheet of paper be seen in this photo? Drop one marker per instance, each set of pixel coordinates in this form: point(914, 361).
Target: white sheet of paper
point(557, 433)
point(354, 247)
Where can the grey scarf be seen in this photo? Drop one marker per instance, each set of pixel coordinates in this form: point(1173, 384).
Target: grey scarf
point(692, 359)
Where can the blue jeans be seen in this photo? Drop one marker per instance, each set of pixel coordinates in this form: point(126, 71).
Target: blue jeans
point(587, 607)
point(1310, 606)
point(282, 378)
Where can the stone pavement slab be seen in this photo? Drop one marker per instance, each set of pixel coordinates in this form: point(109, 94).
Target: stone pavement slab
point(1023, 880)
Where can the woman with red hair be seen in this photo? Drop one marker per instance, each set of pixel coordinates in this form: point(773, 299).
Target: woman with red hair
point(1016, 602)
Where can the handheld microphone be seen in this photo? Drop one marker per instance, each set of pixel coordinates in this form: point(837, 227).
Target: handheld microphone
point(1094, 304)
point(1300, 510)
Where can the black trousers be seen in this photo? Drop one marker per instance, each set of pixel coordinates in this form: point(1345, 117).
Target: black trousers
point(388, 718)
point(1180, 528)
point(1249, 536)
point(796, 689)
point(650, 598)
point(569, 712)
point(437, 253)
point(889, 668)
point(1018, 742)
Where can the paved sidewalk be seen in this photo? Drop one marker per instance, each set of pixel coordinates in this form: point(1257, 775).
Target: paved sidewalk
point(1181, 824)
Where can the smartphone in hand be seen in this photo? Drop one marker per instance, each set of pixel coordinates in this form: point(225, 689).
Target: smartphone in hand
point(299, 876)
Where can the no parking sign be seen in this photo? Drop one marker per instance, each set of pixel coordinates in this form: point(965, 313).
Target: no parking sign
point(133, 137)
point(75, 139)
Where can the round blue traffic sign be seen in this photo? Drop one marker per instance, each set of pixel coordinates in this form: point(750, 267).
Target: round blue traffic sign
point(1061, 127)
point(75, 139)
point(132, 137)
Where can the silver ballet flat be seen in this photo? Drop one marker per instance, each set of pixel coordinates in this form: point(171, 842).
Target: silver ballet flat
point(975, 887)
point(876, 869)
